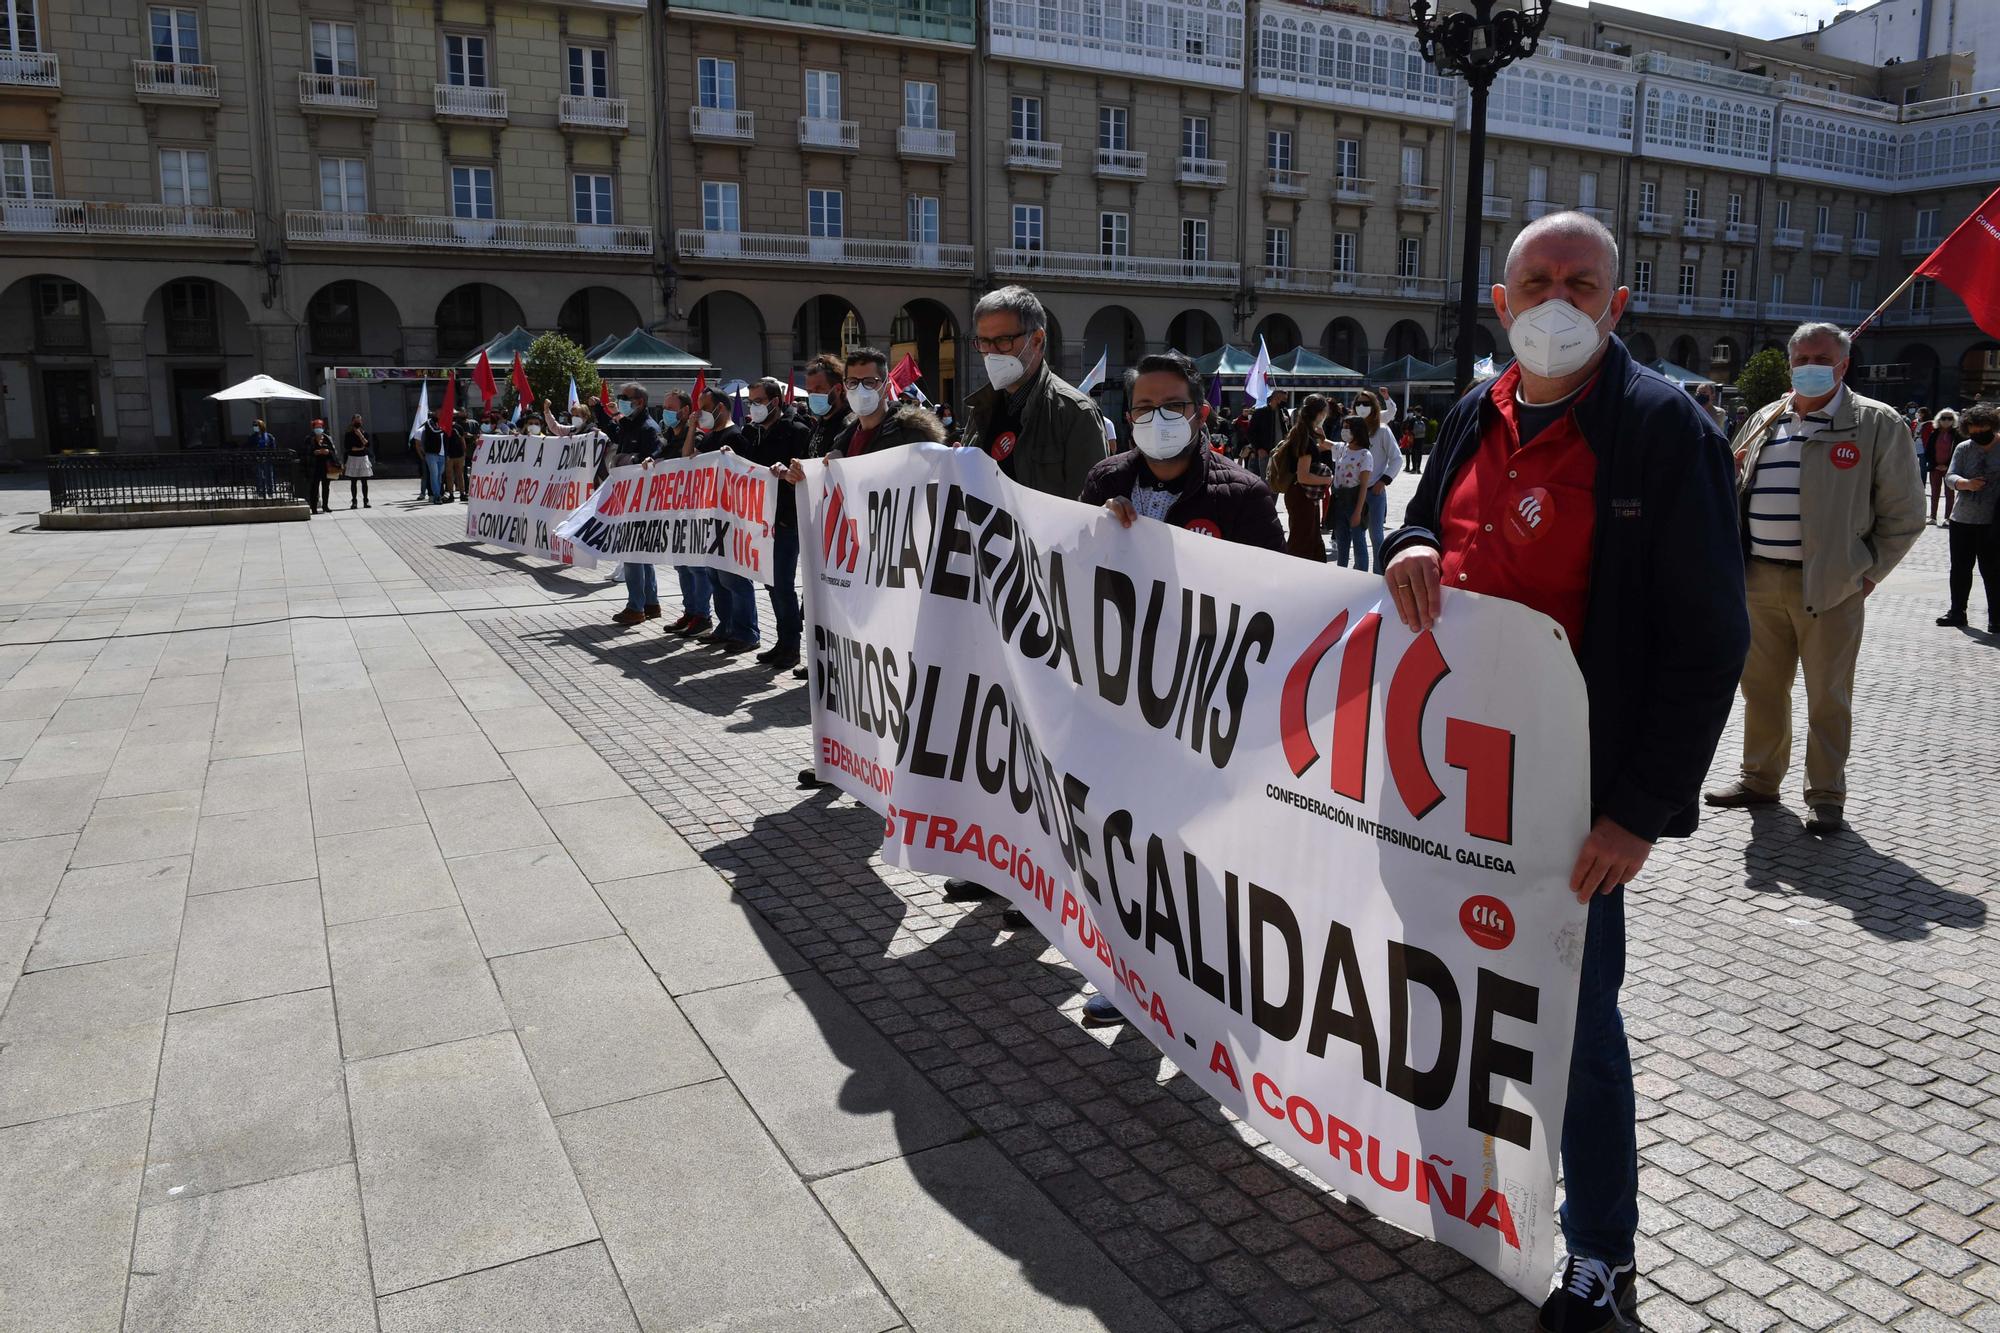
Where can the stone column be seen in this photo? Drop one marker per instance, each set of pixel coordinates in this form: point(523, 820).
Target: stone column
point(131, 403)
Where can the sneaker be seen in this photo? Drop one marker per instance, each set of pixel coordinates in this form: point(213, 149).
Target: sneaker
point(629, 617)
point(1737, 795)
point(694, 627)
point(809, 779)
point(780, 657)
point(1590, 1294)
point(653, 611)
point(735, 647)
point(800, 673)
point(677, 626)
point(1101, 1011)
point(1826, 820)
point(1952, 620)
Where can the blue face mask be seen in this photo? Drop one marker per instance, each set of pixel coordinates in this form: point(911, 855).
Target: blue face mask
point(1812, 381)
point(670, 418)
point(626, 407)
point(818, 402)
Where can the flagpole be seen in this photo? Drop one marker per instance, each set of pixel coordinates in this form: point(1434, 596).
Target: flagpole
point(1890, 300)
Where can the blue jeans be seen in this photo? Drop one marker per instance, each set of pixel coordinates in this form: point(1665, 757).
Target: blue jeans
point(1347, 537)
point(784, 592)
point(642, 587)
point(434, 474)
point(1600, 1143)
point(695, 587)
point(735, 606)
point(1378, 517)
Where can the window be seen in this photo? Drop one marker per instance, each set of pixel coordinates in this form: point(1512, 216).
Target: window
point(1194, 136)
point(1860, 224)
point(1343, 252)
point(1777, 289)
point(343, 185)
point(333, 318)
point(1114, 130)
point(334, 48)
point(1735, 209)
point(826, 213)
point(1784, 214)
point(1822, 218)
point(1410, 257)
point(1538, 184)
point(1708, 124)
point(1923, 295)
point(1413, 165)
point(60, 325)
point(1347, 159)
point(1114, 234)
point(1649, 198)
point(716, 83)
point(464, 60)
point(591, 194)
point(190, 310)
point(26, 172)
point(1024, 119)
point(1686, 287)
point(1278, 249)
point(1927, 223)
point(1490, 172)
point(184, 176)
point(1642, 275)
point(1586, 190)
point(589, 71)
point(1691, 202)
point(1194, 240)
point(472, 192)
point(176, 35)
point(1278, 150)
point(721, 208)
point(1027, 226)
point(19, 30)
point(920, 105)
point(1729, 285)
point(1818, 292)
point(1485, 266)
point(1854, 294)
point(920, 215)
point(822, 94)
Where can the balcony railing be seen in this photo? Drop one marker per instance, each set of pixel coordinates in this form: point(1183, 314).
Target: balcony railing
point(829, 136)
point(457, 101)
point(1828, 243)
point(1121, 164)
point(1353, 190)
point(1418, 196)
point(1740, 233)
point(1920, 245)
point(336, 92)
point(1593, 211)
point(1116, 268)
point(722, 124)
point(1034, 155)
point(1867, 106)
point(1946, 106)
point(1796, 312)
point(592, 113)
point(1709, 307)
point(304, 227)
point(1699, 229)
point(1496, 207)
point(1583, 55)
point(912, 141)
point(31, 69)
point(1788, 238)
point(1652, 224)
point(170, 79)
point(1541, 208)
point(844, 251)
point(1284, 184)
point(79, 217)
point(1346, 282)
point(1866, 247)
point(1210, 173)
point(1655, 63)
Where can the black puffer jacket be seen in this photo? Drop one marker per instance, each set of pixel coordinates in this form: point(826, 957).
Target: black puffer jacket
point(1218, 498)
point(903, 423)
point(782, 438)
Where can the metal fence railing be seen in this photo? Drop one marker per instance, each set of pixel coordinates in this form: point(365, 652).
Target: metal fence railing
point(197, 479)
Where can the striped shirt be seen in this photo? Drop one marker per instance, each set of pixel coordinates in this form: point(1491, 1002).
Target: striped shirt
point(1775, 530)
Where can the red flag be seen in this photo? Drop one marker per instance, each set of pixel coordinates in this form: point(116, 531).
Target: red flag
point(904, 375)
point(521, 384)
point(1969, 263)
point(604, 392)
point(791, 387)
point(694, 399)
point(483, 377)
point(450, 408)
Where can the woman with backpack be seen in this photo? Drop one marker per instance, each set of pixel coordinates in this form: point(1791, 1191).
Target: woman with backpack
point(1296, 474)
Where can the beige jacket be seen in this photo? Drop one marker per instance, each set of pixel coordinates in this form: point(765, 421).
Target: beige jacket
point(1860, 499)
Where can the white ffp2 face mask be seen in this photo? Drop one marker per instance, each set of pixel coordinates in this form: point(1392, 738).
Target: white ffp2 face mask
point(1165, 437)
point(1005, 371)
point(758, 411)
point(705, 420)
point(1555, 339)
point(864, 401)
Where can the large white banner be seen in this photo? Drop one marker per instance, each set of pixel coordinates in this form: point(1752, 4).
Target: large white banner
point(715, 510)
point(1321, 862)
point(522, 486)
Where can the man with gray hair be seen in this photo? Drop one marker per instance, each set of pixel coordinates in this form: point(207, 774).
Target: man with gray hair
point(1830, 504)
point(1042, 432)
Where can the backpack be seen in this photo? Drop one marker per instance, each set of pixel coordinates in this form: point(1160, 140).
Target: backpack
point(1282, 472)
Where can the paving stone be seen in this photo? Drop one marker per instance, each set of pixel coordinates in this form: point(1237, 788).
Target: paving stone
point(69, 1188)
point(565, 775)
point(30, 870)
point(38, 809)
point(695, 932)
point(382, 872)
point(107, 912)
point(174, 766)
point(708, 1226)
point(530, 727)
point(619, 838)
point(596, 1026)
point(69, 754)
point(484, 817)
point(138, 828)
point(248, 943)
point(453, 761)
point(281, 1256)
point(259, 847)
point(79, 1038)
point(570, 1291)
point(256, 782)
point(410, 980)
point(16, 938)
point(460, 1166)
point(528, 898)
point(247, 1092)
point(361, 799)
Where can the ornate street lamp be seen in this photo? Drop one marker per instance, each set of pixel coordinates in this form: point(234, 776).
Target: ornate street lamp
point(1475, 41)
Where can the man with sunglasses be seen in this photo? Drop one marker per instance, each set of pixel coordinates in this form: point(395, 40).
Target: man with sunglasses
point(1041, 431)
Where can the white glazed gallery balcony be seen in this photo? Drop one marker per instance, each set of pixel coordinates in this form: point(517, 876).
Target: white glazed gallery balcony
point(351, 94)
point(716, 124)
point(35, 71)
point(1034, 155)
point(409, 230)
point(90, 217)
point(457, 101)
point(171, 81)
point(928, 143)
point(1120, 164)
point(843, 251)
point(606, 114)
point(1116, 268)
point(818, 134)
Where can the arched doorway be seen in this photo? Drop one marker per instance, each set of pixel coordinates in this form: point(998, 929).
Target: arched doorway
point(1113, 332)
point(472, 315)
point(197, 341)
point(826, 324)
point(1346, 342)
point(1483, 342)
point(1279, 333)
point(54, 364)
point(1978, 374)
point(1685, 352)
point(927, 332)
point(726, 330)
point(1194, 332)
point(596, 313)
point(1725, 360)
point(1407, 338)
point(1640, 345)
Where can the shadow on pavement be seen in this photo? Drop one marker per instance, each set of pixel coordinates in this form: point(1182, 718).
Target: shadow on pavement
point(1887, 898)
point(692, 674)
point(552, 577)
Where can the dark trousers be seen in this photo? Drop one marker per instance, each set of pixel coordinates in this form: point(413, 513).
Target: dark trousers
point(1600, 1141)
point(784, 586)
point(1975, 544)
point(357, 485)
point(322, 485)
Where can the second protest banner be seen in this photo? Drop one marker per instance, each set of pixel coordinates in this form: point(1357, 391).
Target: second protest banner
point(715, 510)
point(522, 486)
point(1321, 862)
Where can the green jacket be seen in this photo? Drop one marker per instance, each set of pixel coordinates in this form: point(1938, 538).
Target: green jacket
point(1061, 436)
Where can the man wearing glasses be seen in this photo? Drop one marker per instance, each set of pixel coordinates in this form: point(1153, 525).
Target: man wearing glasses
point(881, 420)
point(1041, 431)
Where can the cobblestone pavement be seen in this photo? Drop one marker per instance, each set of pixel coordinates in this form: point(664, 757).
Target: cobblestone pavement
point(1815, 1023)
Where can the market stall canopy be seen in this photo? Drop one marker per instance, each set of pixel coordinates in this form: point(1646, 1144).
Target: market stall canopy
point(1681, 375)
point(1309, 367)
point(1409, 370)
point(500, 352)
point(1227, 359)
point(262, 388)
point(641, 351)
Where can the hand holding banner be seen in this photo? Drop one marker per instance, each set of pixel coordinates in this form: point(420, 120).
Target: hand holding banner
point(715, 510)
point(522, 486)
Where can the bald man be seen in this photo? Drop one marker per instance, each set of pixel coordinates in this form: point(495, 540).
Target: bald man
point(1585, 486)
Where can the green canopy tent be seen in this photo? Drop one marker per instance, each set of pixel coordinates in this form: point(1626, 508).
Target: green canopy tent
point(500, 352)
point(1681, 375)
point(653, 362)
point(1304, 369)
point(1227, 360)
point(1409, 372)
